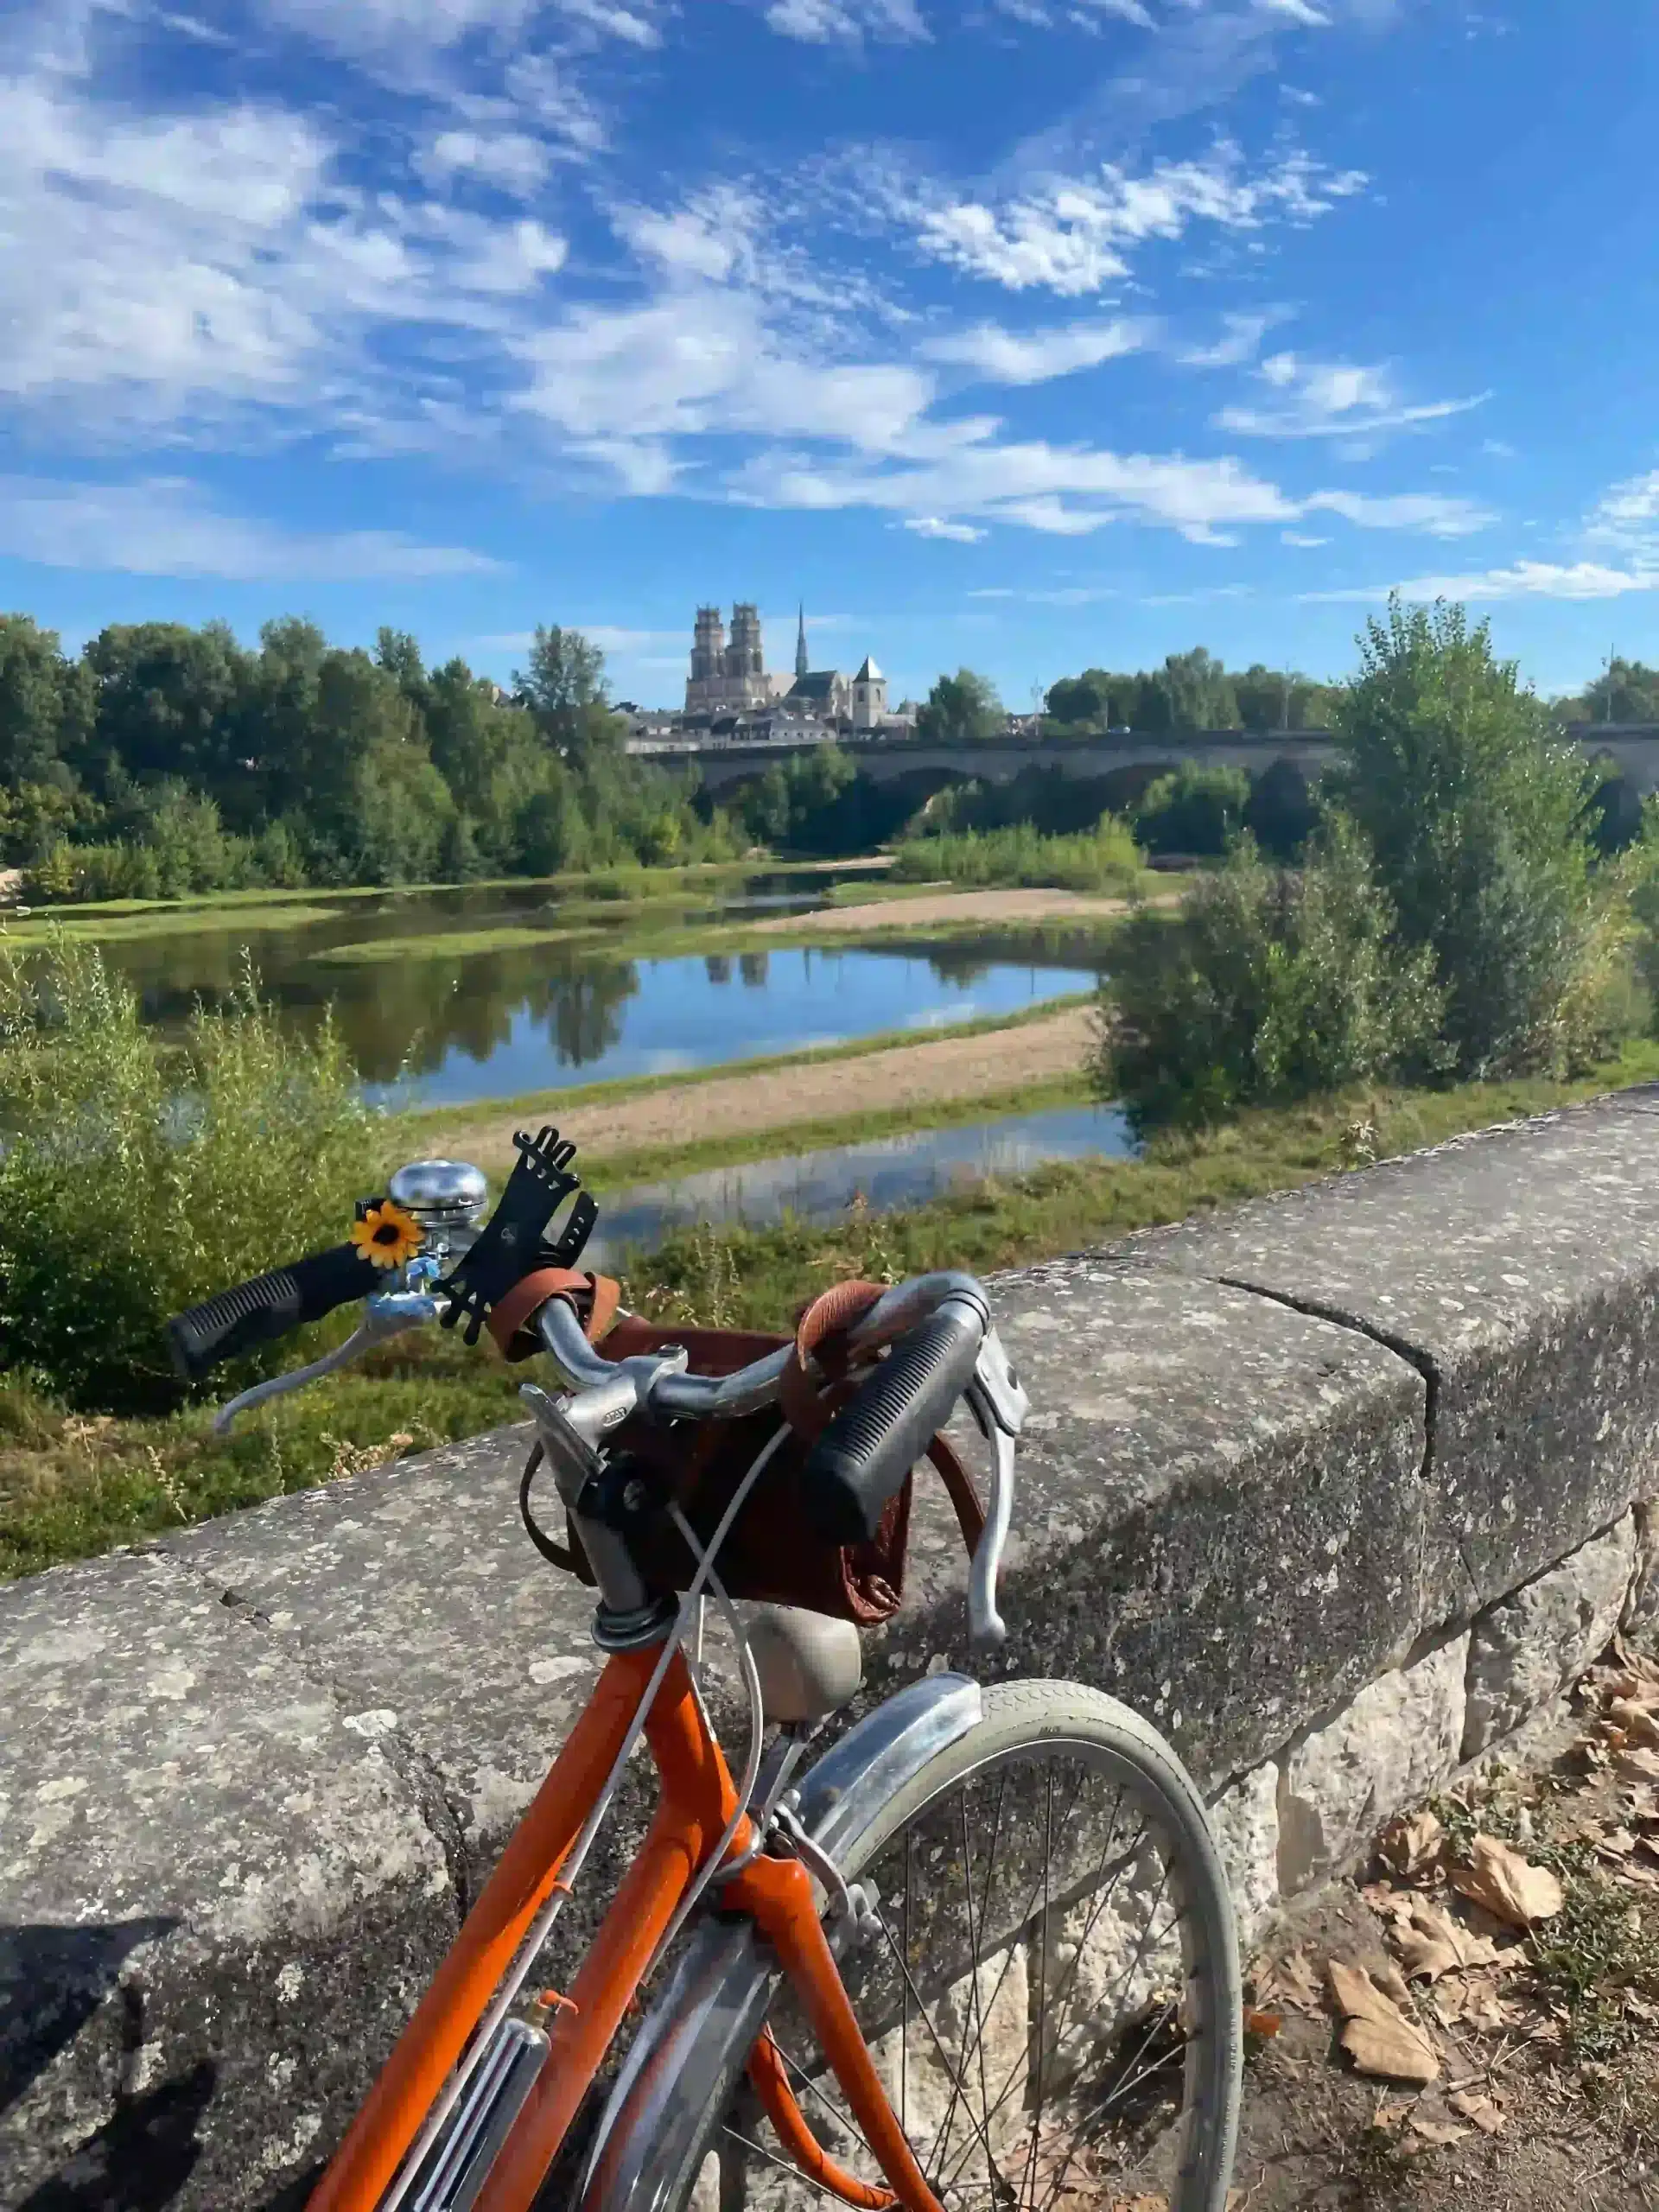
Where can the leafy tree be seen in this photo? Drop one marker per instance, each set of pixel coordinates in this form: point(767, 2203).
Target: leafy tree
point(1475, 811)
point(960, 710)
point(563, 689)
point(167, 700)
point(1076, 699)
point(1198, 692)
point(1279, 813)
point(46, 707)
point(1195, 809)
point(1627, 691)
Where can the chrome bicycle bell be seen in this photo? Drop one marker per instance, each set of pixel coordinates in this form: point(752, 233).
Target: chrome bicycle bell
point(447, 1196)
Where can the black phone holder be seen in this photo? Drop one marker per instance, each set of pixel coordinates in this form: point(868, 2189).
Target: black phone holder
point(514, 1242)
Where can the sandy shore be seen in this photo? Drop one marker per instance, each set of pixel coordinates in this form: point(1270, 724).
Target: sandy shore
point(907, 1075)
point(930, 907)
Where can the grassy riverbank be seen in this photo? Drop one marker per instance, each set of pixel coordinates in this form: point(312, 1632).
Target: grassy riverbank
point(70, 1485)
point(113, 920)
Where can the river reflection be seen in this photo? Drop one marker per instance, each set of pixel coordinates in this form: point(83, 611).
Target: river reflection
point(455, 1026)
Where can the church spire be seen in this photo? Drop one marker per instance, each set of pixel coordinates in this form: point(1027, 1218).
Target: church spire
point(800, 643)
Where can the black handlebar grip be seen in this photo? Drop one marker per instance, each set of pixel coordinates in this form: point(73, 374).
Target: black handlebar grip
point(869, 1447)
point(234, 1321)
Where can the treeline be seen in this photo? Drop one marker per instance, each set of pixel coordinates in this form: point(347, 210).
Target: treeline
point(1625, 691)
point(1192, 691)
point(163, 760)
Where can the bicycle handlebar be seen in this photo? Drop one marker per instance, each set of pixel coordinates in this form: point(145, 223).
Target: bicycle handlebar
point(860, 1461)
point(258, 1312)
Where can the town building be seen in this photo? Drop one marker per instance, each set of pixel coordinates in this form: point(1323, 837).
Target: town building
point(732, 698)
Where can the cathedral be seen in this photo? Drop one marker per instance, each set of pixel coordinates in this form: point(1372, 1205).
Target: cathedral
point(730, 677)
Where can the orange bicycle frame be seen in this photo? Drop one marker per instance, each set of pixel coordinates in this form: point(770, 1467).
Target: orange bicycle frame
point(697, 1804)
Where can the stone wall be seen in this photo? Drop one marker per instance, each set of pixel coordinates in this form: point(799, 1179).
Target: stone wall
point(1341, 1488)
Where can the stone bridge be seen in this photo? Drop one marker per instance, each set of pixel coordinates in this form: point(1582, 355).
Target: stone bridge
point(1633, 747)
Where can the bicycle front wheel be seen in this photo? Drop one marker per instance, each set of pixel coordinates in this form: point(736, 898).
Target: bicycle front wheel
point(1048, 1978)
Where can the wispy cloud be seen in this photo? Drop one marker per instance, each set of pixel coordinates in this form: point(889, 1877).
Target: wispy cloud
point(955, 533)
point(848, 22)
point(1075, 236)
point(1523, 580)
point(166, 527)
point(1324, 399)
point(1024, 357)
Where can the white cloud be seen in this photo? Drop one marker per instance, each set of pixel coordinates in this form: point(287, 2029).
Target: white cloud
point(166, 527)
point(1300, 537)
point(1332, 398)
point(1074, 237)
point(509, 160)
point(847, 22)
point(1296, 11)
point(1582, 580)
point(1244, 333)
point(1628, 515)
point(1439, 516)
point(957, 533)
point(1000, 356)
point(170, 270)
point(1081, 14)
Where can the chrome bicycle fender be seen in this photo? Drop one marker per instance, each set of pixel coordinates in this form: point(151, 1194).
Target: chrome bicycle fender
point(696, 2040)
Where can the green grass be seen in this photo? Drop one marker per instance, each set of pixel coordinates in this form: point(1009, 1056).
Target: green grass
point(70, 1486)
point(429, 1124)
point(111, 920)
point(264, 912)
point(441, 944)
point(1105, 859)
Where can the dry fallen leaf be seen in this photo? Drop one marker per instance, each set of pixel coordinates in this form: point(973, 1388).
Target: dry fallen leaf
point(1390, 2111)
point(1637, 1718)
point(1266, 2024)
point(1411, 1844)
point(1290, 1980)
point(1389, 1979)
point(1434, 1944)
point(1479, 2108)
point(1440, 2131)
point(1377, 2035)
point(1638, 1764)
point(1509, 1886)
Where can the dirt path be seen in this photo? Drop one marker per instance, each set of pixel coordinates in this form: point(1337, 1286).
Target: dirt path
point(907, 1075)
point(961, 906)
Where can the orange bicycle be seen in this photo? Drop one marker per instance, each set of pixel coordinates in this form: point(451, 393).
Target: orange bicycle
point(980, 1955)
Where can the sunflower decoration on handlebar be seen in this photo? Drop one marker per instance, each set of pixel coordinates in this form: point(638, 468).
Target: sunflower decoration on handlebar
point(385, 1235)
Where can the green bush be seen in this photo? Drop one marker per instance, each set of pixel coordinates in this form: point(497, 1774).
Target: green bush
point(1197, 811)
point(1266, 987)
point(1476, 813)
point(137, 1178)
point(1104, 859)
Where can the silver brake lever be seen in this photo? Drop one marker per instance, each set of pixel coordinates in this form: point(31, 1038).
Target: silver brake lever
point(999, 1405)
point(386, 1314)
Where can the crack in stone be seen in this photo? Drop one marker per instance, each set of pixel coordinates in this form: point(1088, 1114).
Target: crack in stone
point(441, 1815)
point(1415, 1357)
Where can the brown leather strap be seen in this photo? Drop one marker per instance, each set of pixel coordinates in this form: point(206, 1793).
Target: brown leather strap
point(510, 1315)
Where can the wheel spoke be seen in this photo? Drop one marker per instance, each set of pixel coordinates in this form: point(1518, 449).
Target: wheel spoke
point(1045, 1911)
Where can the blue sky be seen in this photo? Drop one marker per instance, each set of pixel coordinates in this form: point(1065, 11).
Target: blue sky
point(1028, 333)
